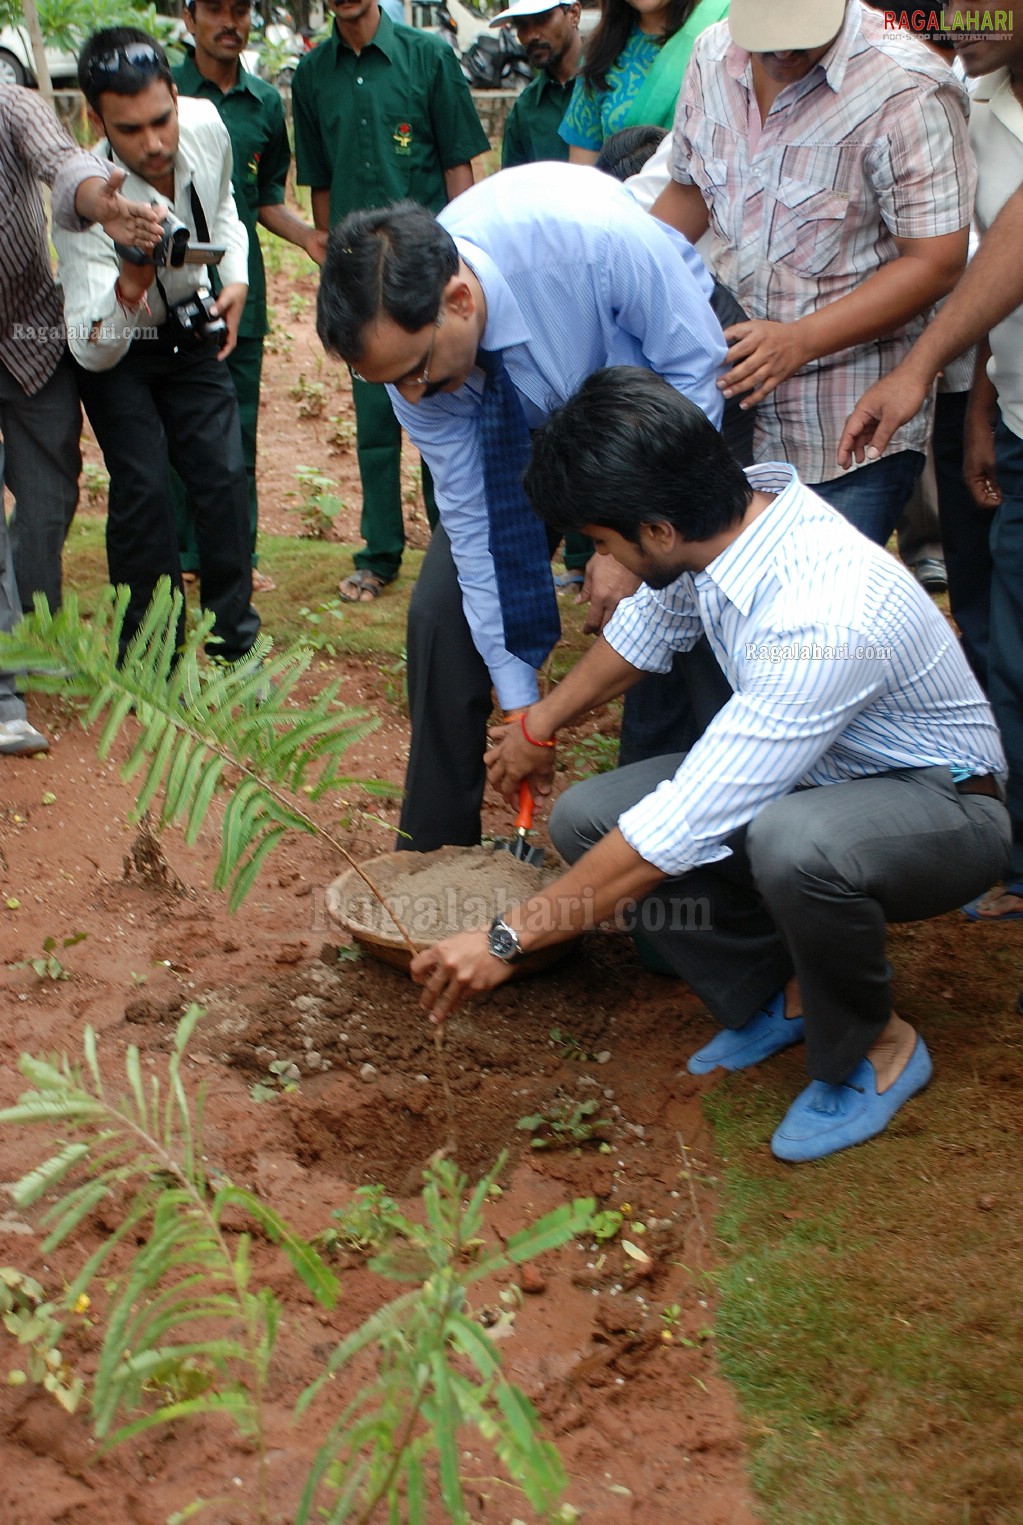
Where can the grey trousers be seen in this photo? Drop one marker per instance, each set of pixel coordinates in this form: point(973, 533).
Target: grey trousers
point(807, 890)
point(43, 463)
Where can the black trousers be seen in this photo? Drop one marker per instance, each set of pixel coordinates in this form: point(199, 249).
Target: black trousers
point(162, 406)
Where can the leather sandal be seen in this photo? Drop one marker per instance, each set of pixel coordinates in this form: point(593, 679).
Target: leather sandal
point(361, 582)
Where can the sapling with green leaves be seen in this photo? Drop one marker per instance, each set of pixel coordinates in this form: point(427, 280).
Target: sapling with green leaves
point(188, 1331)
point(203, 731)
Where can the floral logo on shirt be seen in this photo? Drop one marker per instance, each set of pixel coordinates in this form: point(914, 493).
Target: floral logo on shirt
point(253, 166)
point(403, 138)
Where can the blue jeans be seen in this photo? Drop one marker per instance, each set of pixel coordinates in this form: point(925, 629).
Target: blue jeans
point(874, 496)
point(1005, 653)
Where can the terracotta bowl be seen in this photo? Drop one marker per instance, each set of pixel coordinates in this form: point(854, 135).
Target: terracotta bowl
point(435, 895)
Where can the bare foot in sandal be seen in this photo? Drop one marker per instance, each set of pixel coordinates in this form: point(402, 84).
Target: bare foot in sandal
point(361, 588)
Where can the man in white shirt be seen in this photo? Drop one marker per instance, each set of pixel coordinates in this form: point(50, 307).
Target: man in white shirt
point(853, 778)
point(148, 343)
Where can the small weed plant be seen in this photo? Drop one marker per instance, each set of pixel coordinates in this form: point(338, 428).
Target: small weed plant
point(282, 1078)
point(570, 1047)
point(48, 965)
point(341, 438)
point(188, 1331)
point(593, 754)
point(318, 503)
point(311, 396)
point(566, 1124)
point(95, 484)
point(320, 626)
point(369, 1223)
point(38, 1327)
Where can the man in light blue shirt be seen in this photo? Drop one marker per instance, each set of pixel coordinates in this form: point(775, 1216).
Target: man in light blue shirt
point(854, 777)
point(557, 268)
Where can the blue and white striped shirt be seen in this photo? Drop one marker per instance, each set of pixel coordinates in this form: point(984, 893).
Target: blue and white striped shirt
point(841, 664)
point(575, 277)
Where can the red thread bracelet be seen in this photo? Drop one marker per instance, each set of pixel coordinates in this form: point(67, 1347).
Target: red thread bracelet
point(532, 743)
point(127, 307)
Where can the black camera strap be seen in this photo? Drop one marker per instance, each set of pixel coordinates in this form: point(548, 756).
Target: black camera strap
point(201, 225)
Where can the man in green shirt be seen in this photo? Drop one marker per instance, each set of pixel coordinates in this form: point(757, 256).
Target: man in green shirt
point(382, 114)
point(252, 112)
point(550, 36)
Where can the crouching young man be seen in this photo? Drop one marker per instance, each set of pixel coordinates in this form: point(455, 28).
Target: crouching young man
point(855, 776)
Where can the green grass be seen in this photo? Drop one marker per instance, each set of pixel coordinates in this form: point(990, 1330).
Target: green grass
point(307, 573)
point(870, 1304)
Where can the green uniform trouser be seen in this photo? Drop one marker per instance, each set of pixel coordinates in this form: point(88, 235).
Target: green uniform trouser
point(378, 446)
point(245, 363)
point(578, 550)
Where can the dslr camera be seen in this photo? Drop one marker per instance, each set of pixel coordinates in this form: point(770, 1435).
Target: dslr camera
point(176, 248)
point(194, 320)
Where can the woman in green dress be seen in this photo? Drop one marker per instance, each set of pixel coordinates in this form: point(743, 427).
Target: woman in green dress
point(635, 60)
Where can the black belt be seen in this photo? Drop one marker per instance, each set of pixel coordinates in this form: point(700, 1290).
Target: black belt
point(980, 783)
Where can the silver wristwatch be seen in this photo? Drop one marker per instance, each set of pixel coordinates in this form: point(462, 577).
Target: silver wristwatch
point(503, 942)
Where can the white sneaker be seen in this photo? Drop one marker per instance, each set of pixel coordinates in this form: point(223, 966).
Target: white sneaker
point(18, 739)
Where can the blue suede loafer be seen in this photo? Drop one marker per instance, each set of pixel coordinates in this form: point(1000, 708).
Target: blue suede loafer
point(735, 1048)
point(824, 1118)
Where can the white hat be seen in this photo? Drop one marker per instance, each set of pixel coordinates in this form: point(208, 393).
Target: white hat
point(527, 8)
point(768, 26)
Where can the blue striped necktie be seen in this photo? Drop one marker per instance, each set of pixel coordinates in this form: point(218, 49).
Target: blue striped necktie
point(518, 539)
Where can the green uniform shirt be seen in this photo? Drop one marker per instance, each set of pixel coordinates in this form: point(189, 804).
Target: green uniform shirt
point(254, 117)
point(531, 131)
point(383, 125)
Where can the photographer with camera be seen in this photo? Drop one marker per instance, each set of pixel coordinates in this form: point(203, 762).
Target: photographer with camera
point(147, 338)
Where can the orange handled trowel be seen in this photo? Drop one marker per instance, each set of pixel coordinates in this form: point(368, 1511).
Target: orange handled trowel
point(519, 846)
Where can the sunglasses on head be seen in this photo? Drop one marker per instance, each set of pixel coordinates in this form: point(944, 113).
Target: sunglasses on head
point(143, 57)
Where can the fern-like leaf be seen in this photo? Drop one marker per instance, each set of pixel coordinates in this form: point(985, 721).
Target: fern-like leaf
point(197, 723)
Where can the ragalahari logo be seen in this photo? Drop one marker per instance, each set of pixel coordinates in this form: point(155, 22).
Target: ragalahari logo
point(950, 23)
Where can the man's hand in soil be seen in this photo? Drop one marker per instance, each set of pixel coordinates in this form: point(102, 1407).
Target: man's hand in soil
point(605, 880)
point(450, 971)
point(512, 758)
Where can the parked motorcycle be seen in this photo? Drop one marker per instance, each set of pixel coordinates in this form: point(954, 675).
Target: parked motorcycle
point(489, 60)
point(495, 61)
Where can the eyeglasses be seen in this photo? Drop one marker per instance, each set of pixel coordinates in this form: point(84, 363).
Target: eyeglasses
point(144, 57)
point(423, 379)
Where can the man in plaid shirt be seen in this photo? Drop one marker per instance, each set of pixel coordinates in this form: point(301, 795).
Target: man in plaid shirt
point(829, 157)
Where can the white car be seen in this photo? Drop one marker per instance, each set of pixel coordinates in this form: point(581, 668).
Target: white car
point(18, 68)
